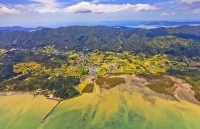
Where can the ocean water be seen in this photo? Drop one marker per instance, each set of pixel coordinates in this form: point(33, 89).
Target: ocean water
point(103, 23)
point(133, 24)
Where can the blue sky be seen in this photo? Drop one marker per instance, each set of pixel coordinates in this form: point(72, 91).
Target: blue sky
point(58, 12)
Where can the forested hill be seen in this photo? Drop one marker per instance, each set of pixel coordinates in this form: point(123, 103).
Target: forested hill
point(183, 40)
point(58, 59)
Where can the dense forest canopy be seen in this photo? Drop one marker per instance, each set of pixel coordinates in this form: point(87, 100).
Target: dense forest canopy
point(106, 39)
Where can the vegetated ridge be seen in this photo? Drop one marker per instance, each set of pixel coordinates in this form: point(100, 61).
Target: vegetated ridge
point(57, 60)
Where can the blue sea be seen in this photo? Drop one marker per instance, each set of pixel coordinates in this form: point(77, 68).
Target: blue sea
point(132, 24)
point(102, 23)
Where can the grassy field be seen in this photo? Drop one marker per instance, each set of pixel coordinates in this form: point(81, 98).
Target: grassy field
point(110, 82)
point(88, 88)
point(27, 67)
point(82, 85)
point(100, 80)
point(160, 84)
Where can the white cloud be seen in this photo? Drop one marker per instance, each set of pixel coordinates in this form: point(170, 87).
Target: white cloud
point(196, 11)
point(46, 10)
point(98, 1)
point(187, 1)
point(192, 6)
point(8, 11)
point(25, 8)
point(20, 6)
point(47, 6)
point(164, 14)
point(87, 7)
point(54, 6)
point(167, 14)
point(48, 3)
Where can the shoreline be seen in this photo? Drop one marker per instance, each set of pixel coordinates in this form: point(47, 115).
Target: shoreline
point(12, 93)
point(182, 90)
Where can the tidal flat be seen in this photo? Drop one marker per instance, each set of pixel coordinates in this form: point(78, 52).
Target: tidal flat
point(122, 107)
point(117, 109)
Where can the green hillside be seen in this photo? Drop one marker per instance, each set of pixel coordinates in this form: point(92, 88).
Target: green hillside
point(49, 58)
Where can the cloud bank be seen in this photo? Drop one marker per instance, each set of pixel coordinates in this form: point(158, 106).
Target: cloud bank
point(188, 1)
point(87, 7)
point(53, 6)
point(193, 6)
point(8, 11)
point(96, 7)
point(167, 14)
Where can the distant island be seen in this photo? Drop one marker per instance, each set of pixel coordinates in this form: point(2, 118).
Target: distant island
point(21, 28)
point(122, 24)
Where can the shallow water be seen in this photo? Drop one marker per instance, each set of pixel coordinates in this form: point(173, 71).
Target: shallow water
point(117, 109)
point(22, 111)
point(111, 109)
